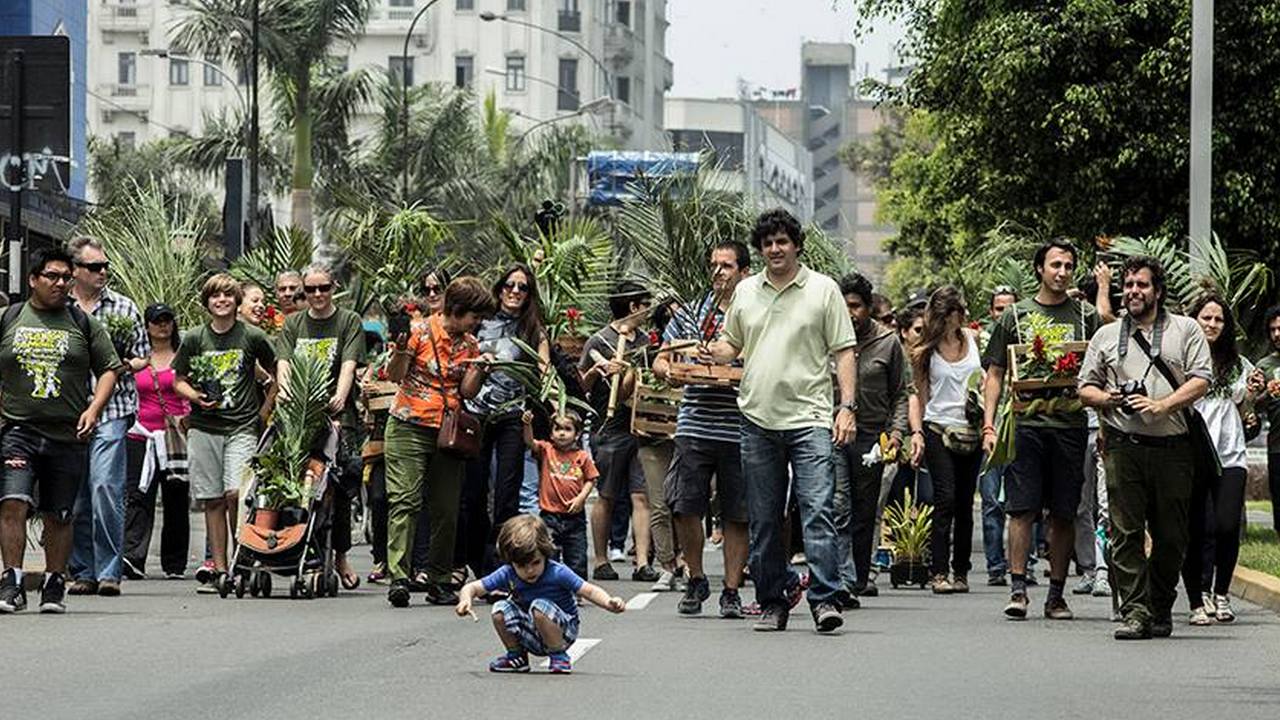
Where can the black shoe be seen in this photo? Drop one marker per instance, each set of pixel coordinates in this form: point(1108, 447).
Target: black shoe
point(1017, 607)
point(867, 590)
point(730, 604)
point(441, 595)
point(398, 594)
point(53, 593)
point(13, 598)
point(695, 593)
point(826, 618)
point(644, 573)
point(773, 619)
point(1132, 630)
point(847, 600)
point(131, 571)
point(604, 571)
point(1162, 627)
point(997, 580)
point(1031, 578)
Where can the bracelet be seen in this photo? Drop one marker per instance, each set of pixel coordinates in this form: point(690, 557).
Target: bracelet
point(988, 429)
point(917, 432)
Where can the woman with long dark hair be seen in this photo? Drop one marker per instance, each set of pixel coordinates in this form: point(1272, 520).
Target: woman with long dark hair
point(944, 433)
point(500, 402)
point(1217, 503)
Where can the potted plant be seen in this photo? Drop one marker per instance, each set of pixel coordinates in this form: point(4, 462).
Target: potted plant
point(208, 377)
point(910, 526)
point(121, 330)
point(301, 414)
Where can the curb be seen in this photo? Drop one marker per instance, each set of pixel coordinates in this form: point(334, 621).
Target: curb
point(1257, 587)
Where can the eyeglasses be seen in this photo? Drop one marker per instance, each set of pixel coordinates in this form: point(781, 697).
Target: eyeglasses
point(55, 278)
point(324, 288)
point(94, 267)
point(516, 287)
point(431, 289)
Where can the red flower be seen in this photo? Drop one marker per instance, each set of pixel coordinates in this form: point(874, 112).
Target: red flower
point(410, 308)
point(975, 325)
point(653, 338)
point(271, 313)
point(1037, 347)
point(1066, 364)
point(572, 314)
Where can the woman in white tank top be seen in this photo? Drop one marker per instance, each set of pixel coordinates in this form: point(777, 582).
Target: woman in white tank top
point(944, 434)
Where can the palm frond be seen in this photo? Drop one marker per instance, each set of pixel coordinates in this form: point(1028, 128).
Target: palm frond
point(285, 249)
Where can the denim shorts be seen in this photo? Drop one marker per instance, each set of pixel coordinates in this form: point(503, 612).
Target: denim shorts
point(520, 624)
point(41, 472)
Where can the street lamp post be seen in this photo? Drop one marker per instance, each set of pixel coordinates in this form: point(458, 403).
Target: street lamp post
point(254, 138)
point(1199, 221)
point(591, 106)
point(489, 16)
point(404, 101)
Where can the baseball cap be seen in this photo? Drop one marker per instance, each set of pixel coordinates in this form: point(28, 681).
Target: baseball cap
point(157, 312)
point(917, 298)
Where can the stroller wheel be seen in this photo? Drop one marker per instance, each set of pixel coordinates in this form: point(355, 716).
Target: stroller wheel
point(253, 585)
point(331, 583)
point(264, 585)
point(223, 585)
point(238, 583)
point(295, 589)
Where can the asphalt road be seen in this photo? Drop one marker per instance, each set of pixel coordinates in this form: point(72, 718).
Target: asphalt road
point(161, 651)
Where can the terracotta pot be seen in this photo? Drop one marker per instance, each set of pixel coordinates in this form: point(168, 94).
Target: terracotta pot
point(571, 346)
point(265, 519)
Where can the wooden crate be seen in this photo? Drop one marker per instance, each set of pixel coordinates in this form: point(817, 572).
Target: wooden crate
point(382, 396)
point(653, 411)
point(1020, 384)
point(702, 374)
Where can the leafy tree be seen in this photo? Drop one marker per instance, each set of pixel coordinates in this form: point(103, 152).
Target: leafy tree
point(116, 172)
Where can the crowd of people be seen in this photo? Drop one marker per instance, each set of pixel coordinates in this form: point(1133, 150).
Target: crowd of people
point(477, 488)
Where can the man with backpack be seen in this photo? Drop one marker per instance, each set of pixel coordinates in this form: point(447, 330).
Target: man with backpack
point(48, 350)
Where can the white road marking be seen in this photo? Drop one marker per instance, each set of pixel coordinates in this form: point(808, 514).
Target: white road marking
point(576, 651)
point(641, 601)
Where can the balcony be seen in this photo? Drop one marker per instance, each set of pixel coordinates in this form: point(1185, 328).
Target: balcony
point(668, 73)
point(620, 45)
point(126, 17)
point(569, 21)
point(127, 97)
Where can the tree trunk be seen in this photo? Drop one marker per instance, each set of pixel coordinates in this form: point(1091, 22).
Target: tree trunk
point(303, 168)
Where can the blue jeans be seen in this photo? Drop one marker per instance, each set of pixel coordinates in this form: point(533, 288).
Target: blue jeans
point(766, 455)
point(569, 533)
point(99, 512)
point(993, 521)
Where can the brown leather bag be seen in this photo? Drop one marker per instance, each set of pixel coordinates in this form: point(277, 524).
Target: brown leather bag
point(460, 433)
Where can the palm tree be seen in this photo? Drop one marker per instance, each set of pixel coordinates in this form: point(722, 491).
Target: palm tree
point(311, 97)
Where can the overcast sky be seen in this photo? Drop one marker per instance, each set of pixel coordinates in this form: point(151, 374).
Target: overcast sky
point(714, 42)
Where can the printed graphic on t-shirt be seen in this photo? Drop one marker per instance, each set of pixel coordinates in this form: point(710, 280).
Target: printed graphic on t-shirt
point(40, 351)
point(325, 349)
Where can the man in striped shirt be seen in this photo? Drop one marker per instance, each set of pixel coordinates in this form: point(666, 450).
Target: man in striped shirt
point(708, 432)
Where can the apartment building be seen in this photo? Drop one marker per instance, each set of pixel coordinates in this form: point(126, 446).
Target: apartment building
point(544, 60)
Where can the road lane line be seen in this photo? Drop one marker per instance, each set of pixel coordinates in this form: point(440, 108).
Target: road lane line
point(576, 651)
point(641, 601)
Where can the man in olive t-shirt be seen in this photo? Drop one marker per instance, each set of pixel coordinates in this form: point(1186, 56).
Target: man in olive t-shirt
point(48, 351)
point(1047, 471)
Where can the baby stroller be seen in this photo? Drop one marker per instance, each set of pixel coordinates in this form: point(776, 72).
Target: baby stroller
point(300, 549)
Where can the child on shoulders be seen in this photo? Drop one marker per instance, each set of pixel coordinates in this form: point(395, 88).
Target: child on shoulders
point(540, 615)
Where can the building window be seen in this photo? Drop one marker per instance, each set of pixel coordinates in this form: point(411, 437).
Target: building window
point(126, 140)
point(567, 98)
point(466, 4)
point(464, 70)
point(622, 89)
point(570, 19)
point(127, 68)
point(515, 73)
point(213, 78)
point(179, 72)
point(516, 5)
point(622, 12)
point(401, 69)
point(400, 3)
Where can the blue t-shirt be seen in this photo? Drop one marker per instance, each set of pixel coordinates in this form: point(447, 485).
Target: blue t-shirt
point(707, 412)
point(558, 584)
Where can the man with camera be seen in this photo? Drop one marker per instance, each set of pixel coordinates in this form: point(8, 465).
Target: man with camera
point(1141, 374)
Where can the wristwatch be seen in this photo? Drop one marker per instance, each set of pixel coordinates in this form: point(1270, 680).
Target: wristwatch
point(851, 406)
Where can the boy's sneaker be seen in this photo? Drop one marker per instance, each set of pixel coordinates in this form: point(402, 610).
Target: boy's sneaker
point(697, 591)
point(560, 663)
point(205, 574)
point(730, 604)
point(666, 582)
point(13, 598)
point(604, 571)
point(826, 618)
point(53, 593)
point(1017, 607)
point(398, 594)
point(644, 573)
point(511, 662)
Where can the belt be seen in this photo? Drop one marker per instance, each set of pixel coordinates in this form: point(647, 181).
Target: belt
point(1156, 441)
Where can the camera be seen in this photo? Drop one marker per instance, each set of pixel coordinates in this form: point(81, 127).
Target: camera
point(1128, 389)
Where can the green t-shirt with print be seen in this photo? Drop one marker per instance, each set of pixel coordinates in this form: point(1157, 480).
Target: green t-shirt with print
point(227, 359)
point(45, 365)
point(338, 338)
point(1011, 329)
point(1270, 367)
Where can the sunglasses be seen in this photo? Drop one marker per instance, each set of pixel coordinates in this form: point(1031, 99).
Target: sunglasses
point(516, 287)
point(324, 288)
point(94, 267)
point(431, 289)
point(54, 277)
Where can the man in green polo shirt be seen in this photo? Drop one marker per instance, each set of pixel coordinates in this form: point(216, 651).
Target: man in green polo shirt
point(788, 323)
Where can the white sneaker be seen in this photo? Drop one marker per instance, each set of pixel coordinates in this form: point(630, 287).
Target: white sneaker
point(1209, 607)
point(616, 555)
point(1101, 588)
point(1222, 603)
point(1085, 586)
point(1199, 617)
point(666, 582)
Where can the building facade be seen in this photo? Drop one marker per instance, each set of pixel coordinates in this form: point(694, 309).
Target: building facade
point(586, 49)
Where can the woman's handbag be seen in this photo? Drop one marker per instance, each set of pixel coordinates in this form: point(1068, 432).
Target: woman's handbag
point(175, 438)
point(460, 432)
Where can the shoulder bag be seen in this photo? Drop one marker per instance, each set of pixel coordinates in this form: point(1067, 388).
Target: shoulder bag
point(460, 432)
point(175, 440)
point(1208, 466)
